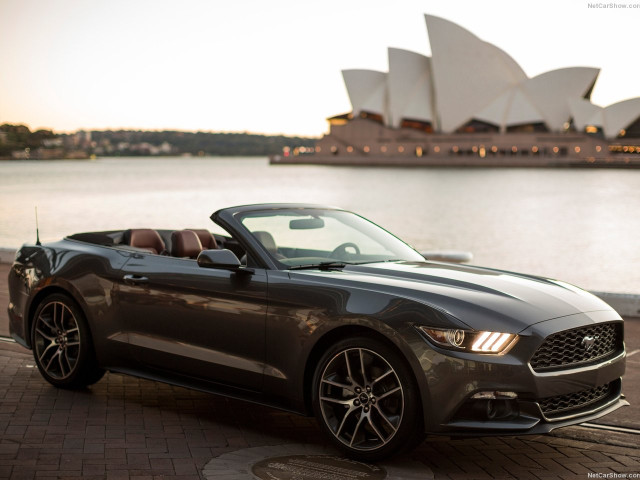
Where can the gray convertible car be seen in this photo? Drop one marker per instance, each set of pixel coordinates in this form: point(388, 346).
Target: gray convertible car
point(316, 310)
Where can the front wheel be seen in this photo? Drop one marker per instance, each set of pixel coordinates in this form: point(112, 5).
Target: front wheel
point(62, 345)
point(366, 398)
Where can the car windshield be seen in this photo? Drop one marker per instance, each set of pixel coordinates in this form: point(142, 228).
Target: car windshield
point(315, 237)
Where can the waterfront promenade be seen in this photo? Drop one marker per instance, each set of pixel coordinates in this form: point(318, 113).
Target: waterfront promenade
point(124, 427)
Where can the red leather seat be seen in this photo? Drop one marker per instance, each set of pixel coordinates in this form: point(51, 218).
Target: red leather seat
point(145, 238)
point(185, 244)
point(206, 238)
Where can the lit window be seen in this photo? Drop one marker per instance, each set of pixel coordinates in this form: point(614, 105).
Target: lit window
point(514, 149)
point(556, 149)
point(577, 149)
point(598, 148)
point(534, 149)
point(591, 129)
point(436, 149)
point(366, 149)
point(350, 149)
point(418, 151)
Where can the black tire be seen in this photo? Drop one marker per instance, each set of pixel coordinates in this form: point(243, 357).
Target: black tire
point(62, 345)
point(368, 416)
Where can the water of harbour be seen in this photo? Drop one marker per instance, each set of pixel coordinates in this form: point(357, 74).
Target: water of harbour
point(581, 226)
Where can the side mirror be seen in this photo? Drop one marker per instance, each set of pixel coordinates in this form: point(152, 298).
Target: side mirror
point(224, 259)
point(451, 256)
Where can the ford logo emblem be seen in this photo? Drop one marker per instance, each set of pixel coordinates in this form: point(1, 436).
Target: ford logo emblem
point(588, 342)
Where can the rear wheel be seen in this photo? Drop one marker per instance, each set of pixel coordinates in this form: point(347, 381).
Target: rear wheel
point(62, 345)
point(365, 397)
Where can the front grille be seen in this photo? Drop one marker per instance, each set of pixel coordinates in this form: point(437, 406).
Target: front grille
point(561, 405)
point(578, 346)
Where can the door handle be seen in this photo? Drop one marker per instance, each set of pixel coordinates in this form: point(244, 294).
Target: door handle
point(133, 279)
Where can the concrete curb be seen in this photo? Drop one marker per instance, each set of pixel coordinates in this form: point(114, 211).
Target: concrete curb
point(7, 255)
point(626, 304)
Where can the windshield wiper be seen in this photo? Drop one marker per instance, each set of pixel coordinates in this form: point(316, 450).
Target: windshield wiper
point(321, 266)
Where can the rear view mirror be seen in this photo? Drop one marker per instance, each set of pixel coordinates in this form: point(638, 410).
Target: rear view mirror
point(306, 223)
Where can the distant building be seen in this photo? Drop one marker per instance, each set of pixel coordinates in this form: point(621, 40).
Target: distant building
point(471, 102)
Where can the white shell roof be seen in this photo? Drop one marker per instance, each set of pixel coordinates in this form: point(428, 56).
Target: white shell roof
point(620, 115)
point(410, 88)
point(468, 78)
point(367, 90)
point(552, 91)
point(585, 113)
point(468, 73)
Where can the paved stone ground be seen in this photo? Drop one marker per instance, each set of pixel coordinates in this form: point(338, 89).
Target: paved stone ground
point(124, 427)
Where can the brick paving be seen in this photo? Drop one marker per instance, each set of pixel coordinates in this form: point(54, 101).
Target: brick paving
point(124, 427)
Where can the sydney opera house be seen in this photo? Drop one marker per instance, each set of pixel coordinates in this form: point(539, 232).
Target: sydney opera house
point(470, 103)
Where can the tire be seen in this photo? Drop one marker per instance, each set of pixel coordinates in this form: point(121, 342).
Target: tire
point(62, 345)
point(368, 416)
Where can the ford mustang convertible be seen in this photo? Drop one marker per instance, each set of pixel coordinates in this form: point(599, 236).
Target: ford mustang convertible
point(316, 310)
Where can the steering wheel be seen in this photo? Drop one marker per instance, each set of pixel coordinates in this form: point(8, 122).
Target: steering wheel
point(341, 250)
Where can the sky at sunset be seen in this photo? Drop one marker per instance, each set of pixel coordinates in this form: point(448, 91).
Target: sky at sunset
point(267, 67)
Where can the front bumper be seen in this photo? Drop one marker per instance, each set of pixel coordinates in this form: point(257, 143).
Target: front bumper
point(535, 402)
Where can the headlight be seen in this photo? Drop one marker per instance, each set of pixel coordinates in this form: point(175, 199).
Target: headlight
point(471, 341)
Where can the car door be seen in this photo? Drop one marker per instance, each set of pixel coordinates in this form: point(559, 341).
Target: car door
point(192, 321)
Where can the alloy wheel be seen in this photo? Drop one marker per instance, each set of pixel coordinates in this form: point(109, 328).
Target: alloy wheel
point(57, 340)
point(361, 399)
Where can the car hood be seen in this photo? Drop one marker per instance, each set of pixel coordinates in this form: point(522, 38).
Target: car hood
point(481, 298)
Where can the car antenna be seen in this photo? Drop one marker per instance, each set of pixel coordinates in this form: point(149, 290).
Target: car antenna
point(37, 230)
